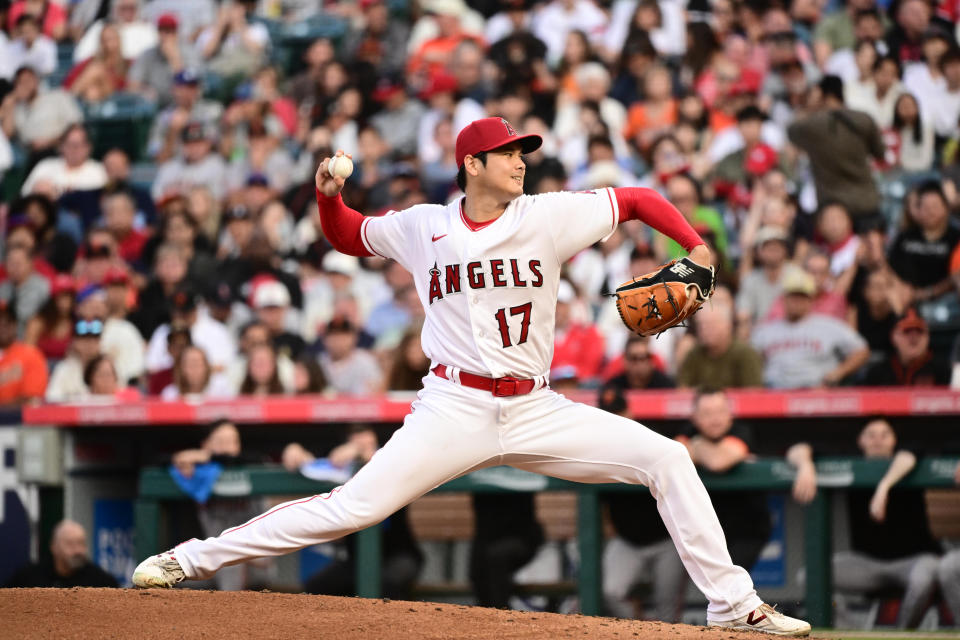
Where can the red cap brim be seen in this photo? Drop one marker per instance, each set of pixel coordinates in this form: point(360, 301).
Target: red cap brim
point(529, 143)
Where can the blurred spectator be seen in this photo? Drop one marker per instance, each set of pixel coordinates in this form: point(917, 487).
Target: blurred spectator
point(257, 334)
point(904, 39)
point(685, 193)
point(103, 73)
point(912, 363)
point(37, 117)
point(69, 566)
point(66, 381)
point(835, 235)
point(262, 378)
point(347, 368)
point(401, 557)
point(191, 16)
point(639, 368)
point(51, 329)
point(429, 57)
point(719, 359)
point(188, 106)
point(890, 540)
point(553, 22)
point(397, 120)
point(120, 340)
point(826, 299)
point(657, 113)
point(193, 378)
point(30, 48)
point(305, 86)
point(196, 165)
point(807, 349)
point(576, 344)
point(641, 549)
point(233, 45)
point(136, 34)
point(73, 169)
point(919, 255)
point(119, 216)
point(179, 229)
point(116, 163)
point(914, 135)
point(23, 371)
point(837, 30)
point(272, 303)
point(169, 269)
point(840, 142)
point(878, 96)
point(177, 341)
point(925, 80)
point(718, 444)
point(380, 40)
point(50, 15)
point(153, 72)
point(760, 287)
point(209, 336)
point(102, 381)
point(945, 102)
point(308, 377)
point(408, 364)
point(23, 284)
point(874, 313)
point(56, 232)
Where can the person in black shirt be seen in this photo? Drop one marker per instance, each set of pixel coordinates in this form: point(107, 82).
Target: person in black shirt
point(912, 363)
point(920, 255)
point(890, 540)
point(70, 565)
point(639, 370)
point(717, 444)
point(641, 548)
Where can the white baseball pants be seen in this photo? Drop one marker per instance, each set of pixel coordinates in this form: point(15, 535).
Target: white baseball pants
point(453, 430)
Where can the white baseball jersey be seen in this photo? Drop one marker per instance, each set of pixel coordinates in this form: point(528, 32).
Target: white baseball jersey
point(485, 289)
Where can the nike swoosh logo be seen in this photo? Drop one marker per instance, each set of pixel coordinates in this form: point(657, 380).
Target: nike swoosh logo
point(435, 238)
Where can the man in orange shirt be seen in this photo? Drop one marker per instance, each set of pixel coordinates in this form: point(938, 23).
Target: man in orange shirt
point(23, 371)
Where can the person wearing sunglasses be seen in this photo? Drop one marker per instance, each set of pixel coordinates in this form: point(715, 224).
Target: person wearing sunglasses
point(66, 381)
point(639, 368)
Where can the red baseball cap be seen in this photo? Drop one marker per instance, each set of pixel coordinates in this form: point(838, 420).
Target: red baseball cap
point(168, 21)
point(489, 133)
point(760, 159)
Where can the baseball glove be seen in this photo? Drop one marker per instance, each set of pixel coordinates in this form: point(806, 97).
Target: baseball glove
point(654, 302)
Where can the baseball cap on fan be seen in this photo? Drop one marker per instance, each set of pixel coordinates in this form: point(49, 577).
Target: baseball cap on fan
point(487, 134)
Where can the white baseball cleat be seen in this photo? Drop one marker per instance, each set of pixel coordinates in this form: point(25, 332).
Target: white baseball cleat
point(161, 571)
point(766, 619)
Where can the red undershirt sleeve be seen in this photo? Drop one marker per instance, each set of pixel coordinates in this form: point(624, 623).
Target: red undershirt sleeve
point(341, 225)
point(652, 209)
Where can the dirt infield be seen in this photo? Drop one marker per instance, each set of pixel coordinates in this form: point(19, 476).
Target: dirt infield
point(126, 613)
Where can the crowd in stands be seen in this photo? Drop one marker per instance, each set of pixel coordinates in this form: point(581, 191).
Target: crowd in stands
point(160, 229)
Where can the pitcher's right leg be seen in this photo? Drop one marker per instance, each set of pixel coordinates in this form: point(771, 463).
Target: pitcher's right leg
point(447, 435)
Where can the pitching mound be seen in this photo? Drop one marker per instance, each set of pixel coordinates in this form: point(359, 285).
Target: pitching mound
point(211, 615)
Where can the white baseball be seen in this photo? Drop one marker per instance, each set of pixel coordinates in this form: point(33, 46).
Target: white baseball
point(340, 166)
